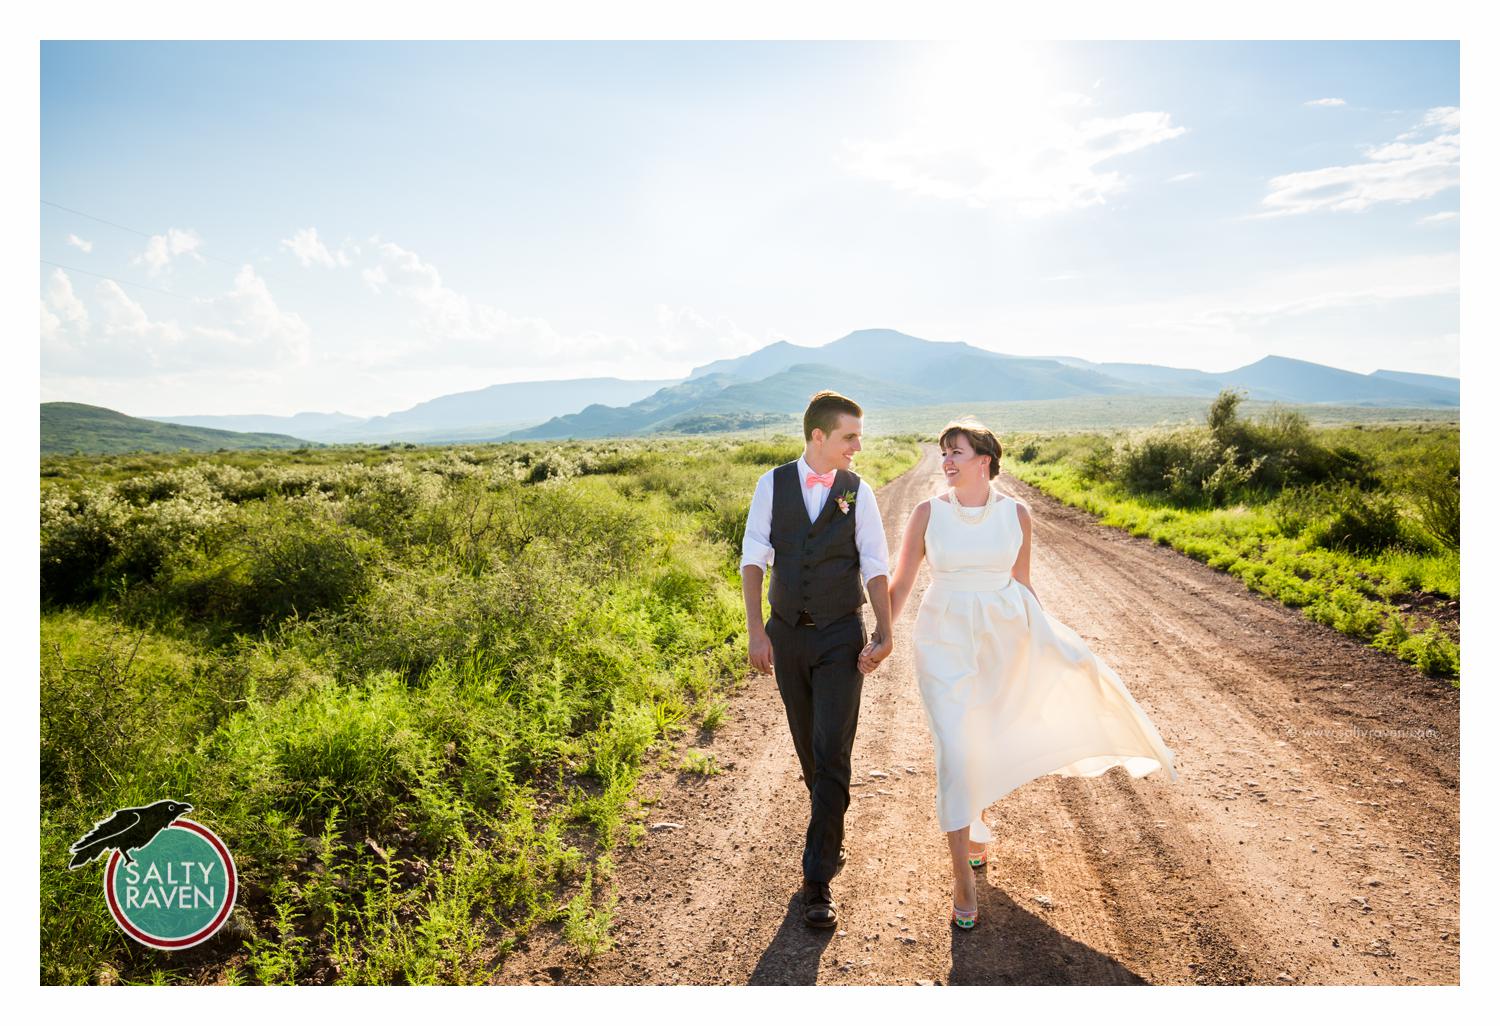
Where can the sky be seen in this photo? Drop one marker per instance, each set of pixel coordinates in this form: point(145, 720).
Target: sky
point(272, 228)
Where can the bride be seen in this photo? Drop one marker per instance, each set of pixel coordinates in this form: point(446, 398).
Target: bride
point(1011, 692)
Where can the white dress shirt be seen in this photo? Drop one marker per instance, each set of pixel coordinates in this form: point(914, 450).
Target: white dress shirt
point(869, 532)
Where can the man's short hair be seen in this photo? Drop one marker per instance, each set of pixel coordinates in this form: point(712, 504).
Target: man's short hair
point(823, 412)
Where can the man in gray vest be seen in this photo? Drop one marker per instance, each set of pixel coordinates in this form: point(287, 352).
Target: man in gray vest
point(818, 527)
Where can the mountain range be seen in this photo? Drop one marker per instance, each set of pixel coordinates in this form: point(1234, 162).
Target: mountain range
point(484, 413)
point(881, 368)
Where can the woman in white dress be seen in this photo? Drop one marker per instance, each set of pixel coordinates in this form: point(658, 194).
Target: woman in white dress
point(1011, 692)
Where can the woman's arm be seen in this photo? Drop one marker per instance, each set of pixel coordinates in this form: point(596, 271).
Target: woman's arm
point(1021, 571)
point(913, 548)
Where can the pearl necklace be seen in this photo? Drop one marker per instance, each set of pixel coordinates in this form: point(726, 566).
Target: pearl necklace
point(970, 518)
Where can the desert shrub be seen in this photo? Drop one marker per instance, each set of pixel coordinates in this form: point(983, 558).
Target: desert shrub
point(280, 561)
point(1359, 521)
point(1176, 464)
point(552, 465)
point(80, 535)
point(388, 501)
point(1434, 488)
point(1295, 509)
point(98, 538)
point(770, 453)
point(111, 699)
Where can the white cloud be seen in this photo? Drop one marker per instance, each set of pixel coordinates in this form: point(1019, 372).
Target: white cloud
point(61, 300)
point(452, 330)
point(1294, 294)
point(1330, 101)
point(1441, 215)
point(65, 320)
point(462, 330)
point(250, 315)
point(989, 127)
point(1043, 165)
point(83, 244)
point(687, 334)
point(1184, 176)
point(1443, 117)
point(244, 329)
point(309, 249)
point(1399, 172)
point(162, 249)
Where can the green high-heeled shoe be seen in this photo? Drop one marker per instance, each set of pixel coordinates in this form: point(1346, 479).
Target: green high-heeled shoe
point(966, 919)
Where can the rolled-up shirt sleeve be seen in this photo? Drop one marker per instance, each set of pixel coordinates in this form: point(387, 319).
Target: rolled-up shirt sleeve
point(869, 536)
point(756, 549)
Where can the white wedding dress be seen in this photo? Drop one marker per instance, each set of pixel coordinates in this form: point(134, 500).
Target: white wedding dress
point(1011, 692)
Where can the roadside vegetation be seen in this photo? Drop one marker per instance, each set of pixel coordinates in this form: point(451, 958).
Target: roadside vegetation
point(1357, 526)
point(412, 688)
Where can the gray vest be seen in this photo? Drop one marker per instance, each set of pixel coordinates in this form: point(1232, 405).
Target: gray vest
point(816, 569)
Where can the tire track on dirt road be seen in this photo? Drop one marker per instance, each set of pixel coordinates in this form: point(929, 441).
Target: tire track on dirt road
point(1311, 838)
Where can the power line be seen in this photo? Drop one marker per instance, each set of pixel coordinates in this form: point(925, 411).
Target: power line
point(148, 235)
point(101, 220)
point(117, 281)
point(134, 231)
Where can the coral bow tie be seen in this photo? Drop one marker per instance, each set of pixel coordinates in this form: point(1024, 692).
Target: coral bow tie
point(826, 480)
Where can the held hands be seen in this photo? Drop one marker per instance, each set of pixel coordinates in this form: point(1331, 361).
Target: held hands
point(874, 653)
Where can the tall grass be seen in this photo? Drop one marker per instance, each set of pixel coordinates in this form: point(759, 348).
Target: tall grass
point(412, 689)
point(1355, 526)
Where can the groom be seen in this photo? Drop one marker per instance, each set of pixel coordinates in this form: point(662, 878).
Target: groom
point(816, 523)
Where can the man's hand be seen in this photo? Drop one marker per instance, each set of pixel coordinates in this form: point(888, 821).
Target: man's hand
point(761, 656)
point(874, 653)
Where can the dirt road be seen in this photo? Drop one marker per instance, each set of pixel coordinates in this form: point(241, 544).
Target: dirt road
point(1312, 837)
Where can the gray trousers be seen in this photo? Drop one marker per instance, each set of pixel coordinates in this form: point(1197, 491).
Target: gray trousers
point(817, 673)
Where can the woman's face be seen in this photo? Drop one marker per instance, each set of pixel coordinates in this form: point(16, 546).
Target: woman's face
point(960, 462)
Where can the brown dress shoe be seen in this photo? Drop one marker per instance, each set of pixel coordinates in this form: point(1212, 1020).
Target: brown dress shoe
point(818, 908)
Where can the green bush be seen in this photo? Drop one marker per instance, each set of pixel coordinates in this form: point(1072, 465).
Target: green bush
point(276, 565)
point(1435, 491)
point(394, 679)
point(1359, 522)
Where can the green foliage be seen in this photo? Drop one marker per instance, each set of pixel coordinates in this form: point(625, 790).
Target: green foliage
point(1227, 460)
point(1345, 550)
point(701, 763)
point(1359, 522)
point(285, 559)
point(395, 680)
point(585, 924)
point(714, 717)
point(1433, 482)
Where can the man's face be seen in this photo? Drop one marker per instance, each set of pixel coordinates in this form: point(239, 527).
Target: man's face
point(839, 446)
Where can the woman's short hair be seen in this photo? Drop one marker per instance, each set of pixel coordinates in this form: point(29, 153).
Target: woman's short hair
point(980, 438)
point(823, 412)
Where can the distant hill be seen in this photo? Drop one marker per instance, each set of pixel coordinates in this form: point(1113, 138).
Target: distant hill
point(1283, 379)
point(70, 427)
point(1280, 377)
point(479, 415)
point(888, 370)
point(885, 370)
point(1442, 384)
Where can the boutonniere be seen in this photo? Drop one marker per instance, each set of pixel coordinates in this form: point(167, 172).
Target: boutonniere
point(845, 501)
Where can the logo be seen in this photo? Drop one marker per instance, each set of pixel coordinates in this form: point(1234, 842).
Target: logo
point(170, 883)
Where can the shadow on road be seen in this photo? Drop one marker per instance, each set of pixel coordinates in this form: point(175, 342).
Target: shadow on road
point(794, 954)
point(1010, 946)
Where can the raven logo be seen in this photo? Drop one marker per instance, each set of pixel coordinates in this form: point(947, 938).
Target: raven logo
point(126, 831)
